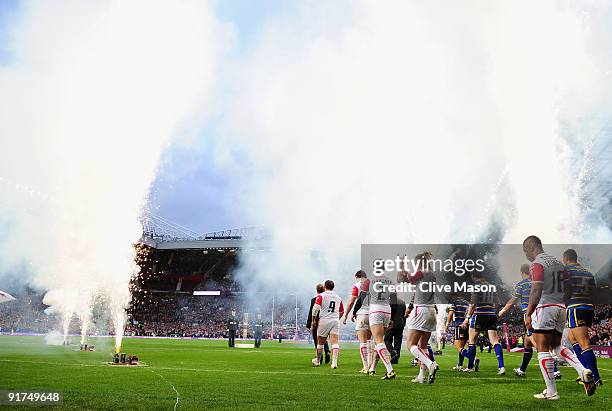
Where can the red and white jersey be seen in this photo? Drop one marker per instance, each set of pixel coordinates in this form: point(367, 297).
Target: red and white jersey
point(365, 304)
point(379, 295)
point(331, 305)
point(551, 273)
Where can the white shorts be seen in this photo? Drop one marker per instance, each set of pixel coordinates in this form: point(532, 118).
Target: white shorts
point(423, 318)
point(379, 317)
point(362, 322)
point(548, 318)
point(327, 327)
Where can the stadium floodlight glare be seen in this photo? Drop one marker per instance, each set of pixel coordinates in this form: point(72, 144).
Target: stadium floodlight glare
point(207, 293)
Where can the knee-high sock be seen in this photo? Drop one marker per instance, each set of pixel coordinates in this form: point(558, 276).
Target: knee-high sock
point(547, 367)
point(371, 351)
point(422, 370)
point(471, 355)
point(335, 353)
point(527, 354)
point(590, 361)
point(383, 353)
point(570, 357)
point(319, 352)
point(420, 354)
point(499, 353)
point(578, 352)
point(461, 357)
point(374, 362)
point(431, 353)
point(363, 352)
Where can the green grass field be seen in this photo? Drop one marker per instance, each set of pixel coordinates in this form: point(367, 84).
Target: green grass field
point(207, 374)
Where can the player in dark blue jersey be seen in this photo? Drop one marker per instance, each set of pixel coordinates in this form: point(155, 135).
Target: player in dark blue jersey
point(581, 311)
point(522, 289)
point(456, 316)
point(482, 316)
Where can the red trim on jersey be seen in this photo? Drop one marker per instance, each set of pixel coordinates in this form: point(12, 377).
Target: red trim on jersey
point(319, 299)
point(341, 311)
point(355, 291)
point(365, 286)
point(537, 272)
point(414, 277)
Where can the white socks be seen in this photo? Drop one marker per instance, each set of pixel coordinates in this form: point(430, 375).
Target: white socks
point(363, 352)
point(381, 349)
point(335, 353)
point(319, 353)
point(421, 355)
point(571, 358)
point(547, 366)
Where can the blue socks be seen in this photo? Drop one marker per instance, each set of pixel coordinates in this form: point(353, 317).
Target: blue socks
point(430, 352)
point(462, 354)
point(471, 354)
point(527, 354)
point(588, 359)
point(499, 353)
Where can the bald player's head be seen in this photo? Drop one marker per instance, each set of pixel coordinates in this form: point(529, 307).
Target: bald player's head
point(532, 246)
point(525, 270)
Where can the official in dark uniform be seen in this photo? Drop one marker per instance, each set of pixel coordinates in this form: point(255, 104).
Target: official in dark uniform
point(395, 333)
point(258, 331)
point(313, 327)
point(232, 327)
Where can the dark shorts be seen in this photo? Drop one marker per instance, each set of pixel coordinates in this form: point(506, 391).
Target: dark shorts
point(579, 317)
point(483, 322)
point(461, 333)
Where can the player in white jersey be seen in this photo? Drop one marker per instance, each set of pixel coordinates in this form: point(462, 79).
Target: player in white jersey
point(422, 318)
point(550, 291)
point(379, 315)
point(329, 309)
point(360, 317)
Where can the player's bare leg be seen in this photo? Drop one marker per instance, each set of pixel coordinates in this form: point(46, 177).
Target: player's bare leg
point(378, 332)
point(320, 344)
point(579, 337)
point(584, 373)
point(333, 339)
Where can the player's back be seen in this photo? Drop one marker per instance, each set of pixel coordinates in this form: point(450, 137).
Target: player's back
point(522, 290)
point(484, 300)
point(459, 309)
point(380, 297)
point(424, 294)
point(330, 303)
point(551, 273)
point(583, 284)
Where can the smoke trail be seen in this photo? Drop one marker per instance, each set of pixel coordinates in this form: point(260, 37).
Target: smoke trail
point(404, 122)
point(92, 93)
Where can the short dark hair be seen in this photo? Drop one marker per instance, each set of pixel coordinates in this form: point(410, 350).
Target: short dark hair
point(533, 241)
point(320, 288)
point(571, 255)
point(360, 274)
point(329, 285)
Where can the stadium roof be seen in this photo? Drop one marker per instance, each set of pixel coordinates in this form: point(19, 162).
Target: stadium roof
point(165, 235)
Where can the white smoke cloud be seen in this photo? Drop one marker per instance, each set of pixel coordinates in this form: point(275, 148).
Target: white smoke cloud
point(408, 122)
point(93, 93)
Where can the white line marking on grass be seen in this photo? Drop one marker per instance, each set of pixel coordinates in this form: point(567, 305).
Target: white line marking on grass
point(317, 374)
point(173, 387)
